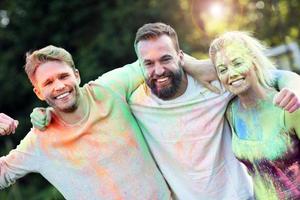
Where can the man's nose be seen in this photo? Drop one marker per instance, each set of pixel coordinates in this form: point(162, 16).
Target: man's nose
point(159, 69)
point(59, 85)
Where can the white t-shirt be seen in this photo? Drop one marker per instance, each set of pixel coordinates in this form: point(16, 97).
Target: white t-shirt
point(191, 143)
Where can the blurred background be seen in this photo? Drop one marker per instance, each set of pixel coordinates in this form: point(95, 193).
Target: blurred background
point(100, 35)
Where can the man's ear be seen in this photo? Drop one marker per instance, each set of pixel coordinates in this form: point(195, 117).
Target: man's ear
point(38, 93)
point(77, 75)
point(181, 55)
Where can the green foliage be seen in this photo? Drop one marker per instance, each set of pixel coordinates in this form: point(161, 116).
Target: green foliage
point(274, 22)
point(100, 35)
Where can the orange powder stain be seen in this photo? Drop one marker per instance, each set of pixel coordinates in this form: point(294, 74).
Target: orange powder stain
point(109, 186)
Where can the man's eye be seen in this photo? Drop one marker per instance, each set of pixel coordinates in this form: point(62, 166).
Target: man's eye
point(166, 60)
point(47, 83)
point(148, 64)
point(64, 76)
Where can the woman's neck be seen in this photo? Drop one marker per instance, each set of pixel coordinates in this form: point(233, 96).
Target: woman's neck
point(253, 96)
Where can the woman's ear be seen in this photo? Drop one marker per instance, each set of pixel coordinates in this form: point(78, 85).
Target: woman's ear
point(254, 63)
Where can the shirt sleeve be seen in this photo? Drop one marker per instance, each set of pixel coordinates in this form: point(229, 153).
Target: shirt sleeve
point(123, 80)
point(283, 78)
point(19, 161)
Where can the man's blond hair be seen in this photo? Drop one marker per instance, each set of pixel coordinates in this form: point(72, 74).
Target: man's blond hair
point(41, 56)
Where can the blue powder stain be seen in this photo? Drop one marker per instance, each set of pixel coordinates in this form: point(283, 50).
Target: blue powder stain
point(241, 128)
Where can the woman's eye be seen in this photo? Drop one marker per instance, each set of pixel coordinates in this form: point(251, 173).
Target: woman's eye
point(238, 64)
point(222, 70)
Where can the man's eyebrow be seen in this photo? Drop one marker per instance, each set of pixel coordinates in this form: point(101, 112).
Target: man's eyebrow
point(146, 60)
point(64, 73)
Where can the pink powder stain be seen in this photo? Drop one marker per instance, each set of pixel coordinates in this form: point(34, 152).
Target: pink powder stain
point(199, 124)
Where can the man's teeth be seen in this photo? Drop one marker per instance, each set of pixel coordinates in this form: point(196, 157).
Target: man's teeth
point(160, 80)
point(237, 82)
point(62, 95)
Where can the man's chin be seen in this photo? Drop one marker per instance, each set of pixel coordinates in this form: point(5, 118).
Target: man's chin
point(67, 108)
point(166, 93)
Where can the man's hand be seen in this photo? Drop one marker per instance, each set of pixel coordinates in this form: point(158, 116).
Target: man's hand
point(41, 117)
point(202, 70)
point(287, 100)
point(7, 124)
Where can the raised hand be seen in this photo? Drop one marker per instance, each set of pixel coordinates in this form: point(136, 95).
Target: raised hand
point(41, 117)
point(7, 124)
point(287, 100)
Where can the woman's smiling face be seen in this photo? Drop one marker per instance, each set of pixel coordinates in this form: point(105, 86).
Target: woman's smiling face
point(235, 67)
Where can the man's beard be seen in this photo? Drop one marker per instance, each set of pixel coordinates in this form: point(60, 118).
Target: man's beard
point(169, 91)
point(68, 109)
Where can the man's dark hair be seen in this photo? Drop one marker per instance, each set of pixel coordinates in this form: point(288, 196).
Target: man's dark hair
point(155, 30)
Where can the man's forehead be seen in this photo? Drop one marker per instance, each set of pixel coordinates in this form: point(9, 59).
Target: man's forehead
point(52, 68)
point(156, 47)
point(54, 65)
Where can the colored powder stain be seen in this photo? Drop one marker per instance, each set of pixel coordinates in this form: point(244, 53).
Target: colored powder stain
point(261, 192)
point(231, 51)
point(131, 142)
point(260, 134)
point(241, 129)
point(266, 157)
point(109, 187)
point(179, 147)
point(249, 127)
point(211, 116)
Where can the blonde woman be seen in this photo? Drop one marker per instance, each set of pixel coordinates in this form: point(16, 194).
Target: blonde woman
point(264, 137)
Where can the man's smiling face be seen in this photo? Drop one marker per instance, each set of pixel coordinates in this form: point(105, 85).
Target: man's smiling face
point(58, 84)
point(162, 65)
